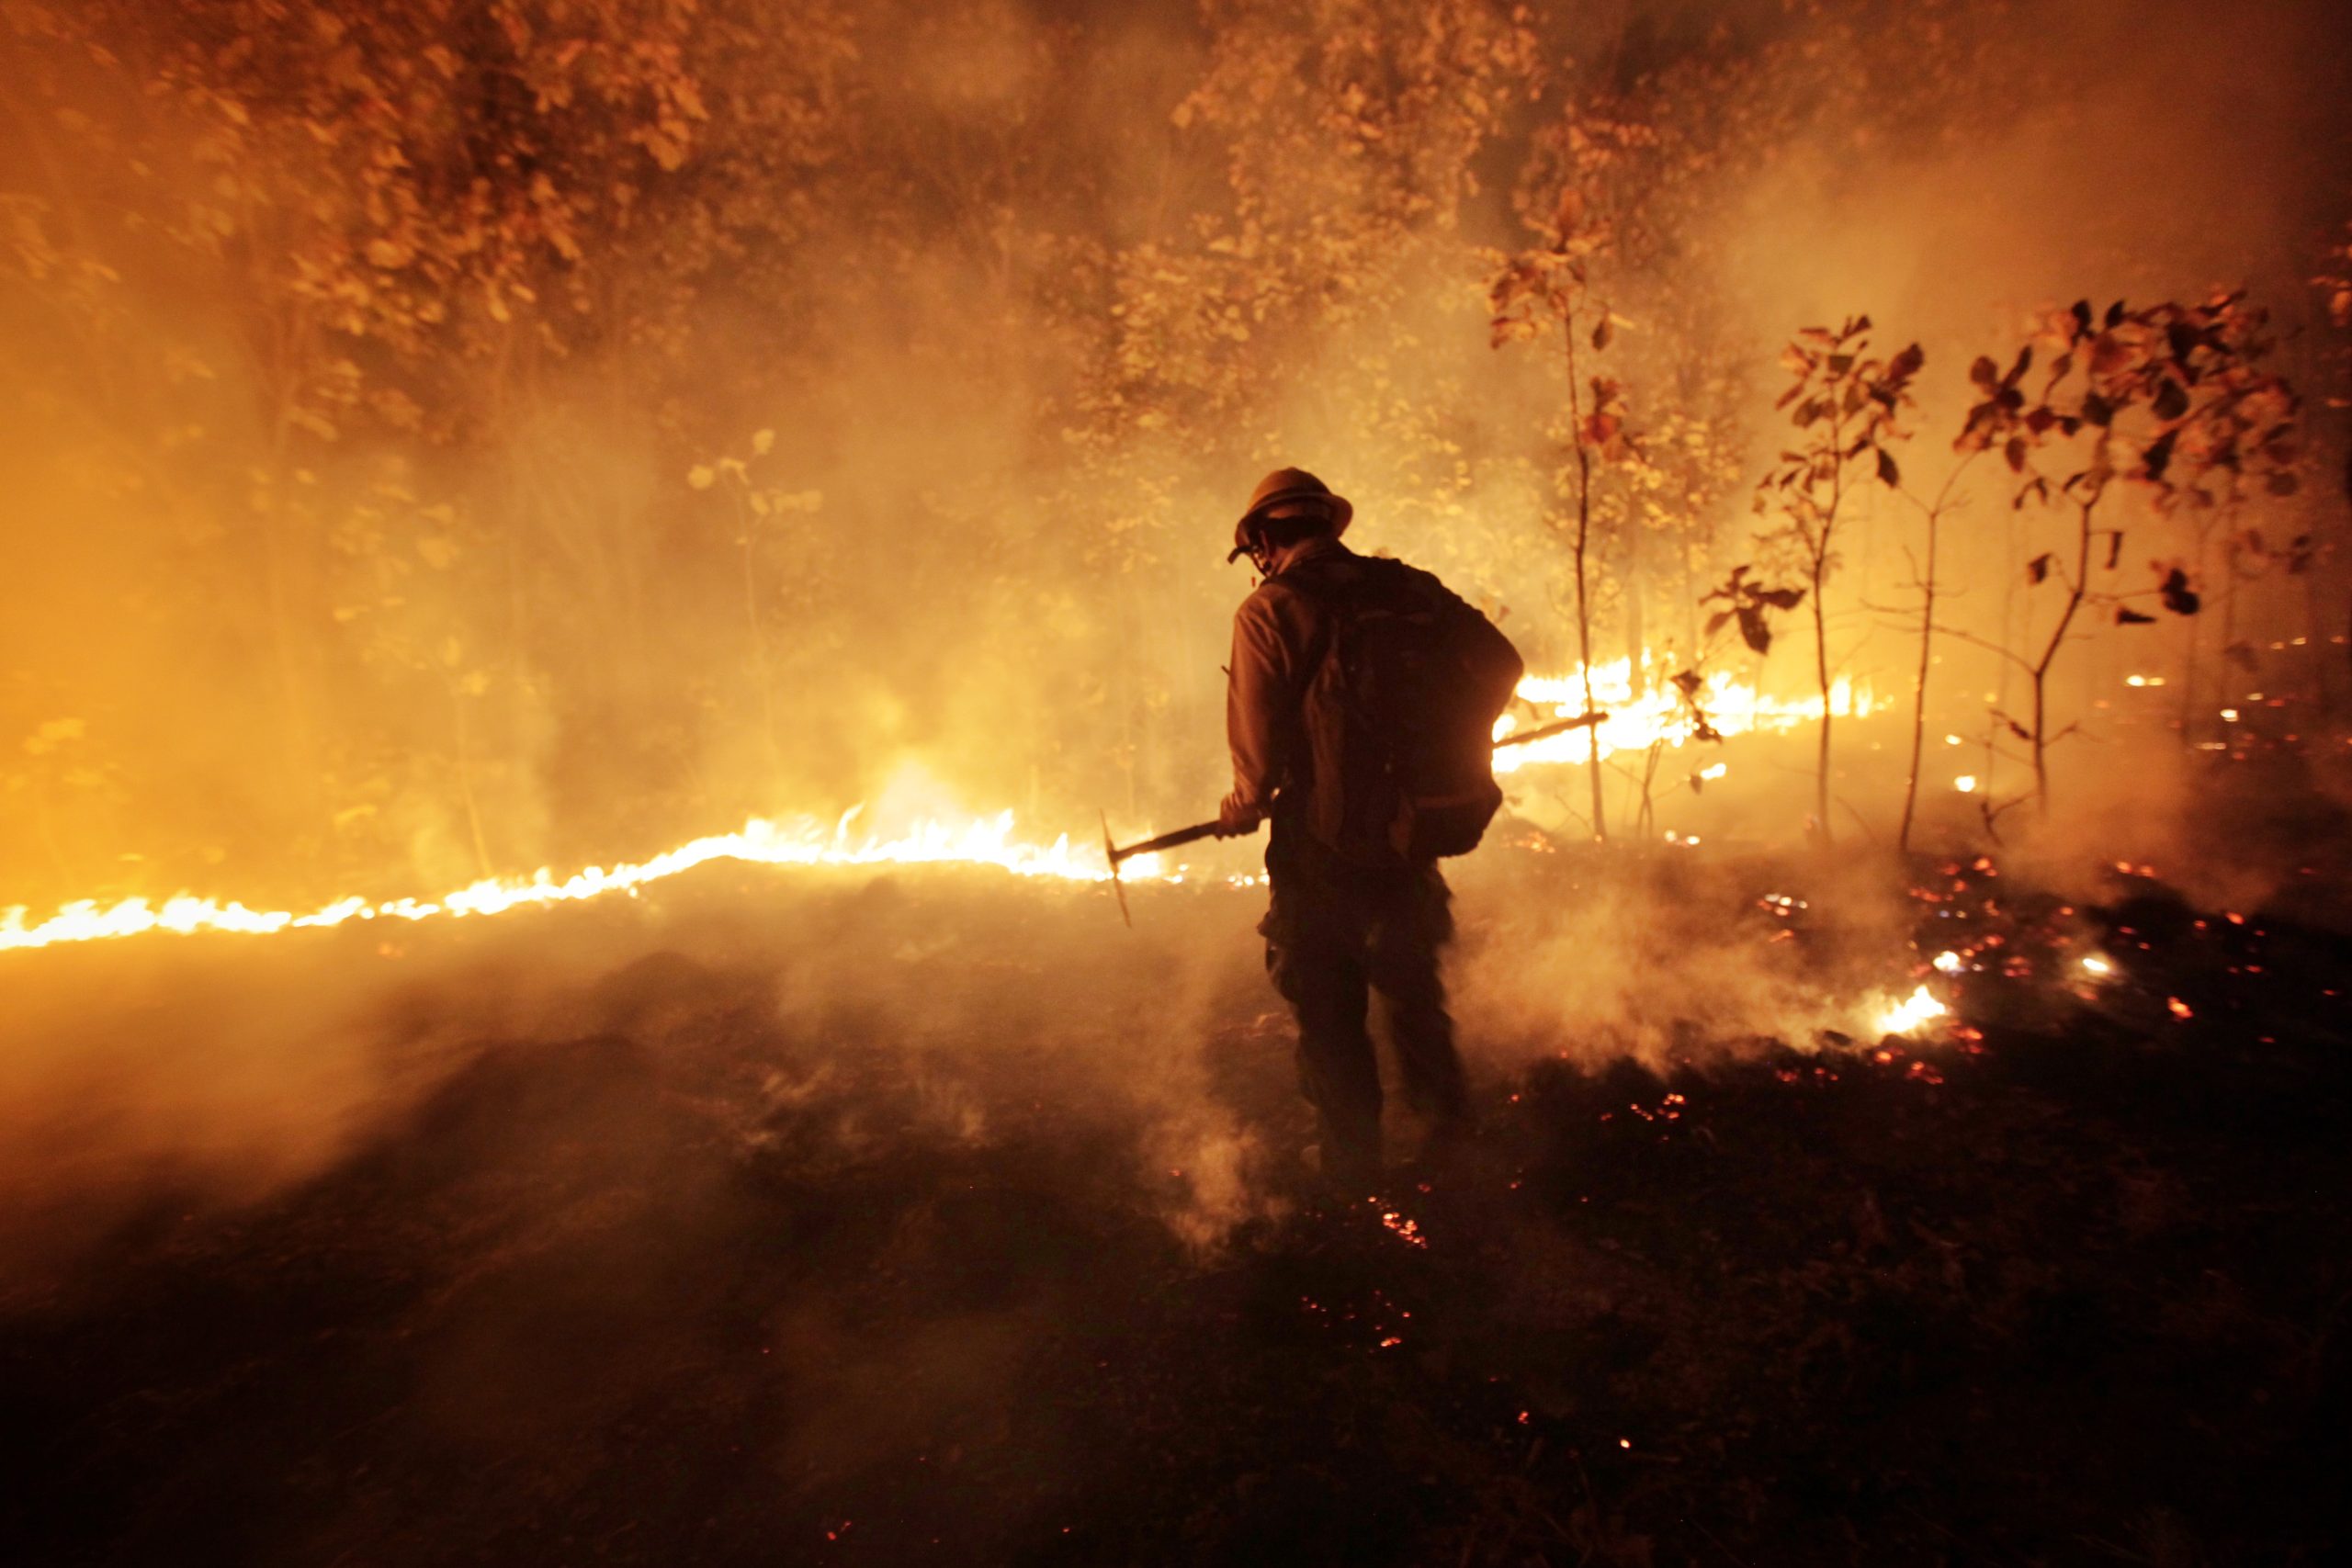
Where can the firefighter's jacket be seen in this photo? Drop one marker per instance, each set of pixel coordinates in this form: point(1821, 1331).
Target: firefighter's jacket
point(1281, 636)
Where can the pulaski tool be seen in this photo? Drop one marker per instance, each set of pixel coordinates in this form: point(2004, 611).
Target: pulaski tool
point(1115, 853)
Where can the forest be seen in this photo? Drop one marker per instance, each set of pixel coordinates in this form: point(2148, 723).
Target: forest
point(452, 440)
point(583, 579)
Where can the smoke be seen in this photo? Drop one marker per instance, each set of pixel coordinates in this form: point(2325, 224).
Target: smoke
point(882, 458)
point(1673, 960)
point(904, 439)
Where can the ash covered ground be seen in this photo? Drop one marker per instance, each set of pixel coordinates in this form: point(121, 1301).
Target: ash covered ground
point(934, 1217)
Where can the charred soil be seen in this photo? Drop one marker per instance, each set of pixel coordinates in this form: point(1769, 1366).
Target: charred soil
point(806, 1239)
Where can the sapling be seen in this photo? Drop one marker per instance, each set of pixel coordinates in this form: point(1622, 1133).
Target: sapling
point(2169, 398)
point(1848, 407)
point(1553, 284)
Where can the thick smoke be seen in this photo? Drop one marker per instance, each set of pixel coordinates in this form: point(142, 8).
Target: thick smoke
point(899, 439)
point(881, 450)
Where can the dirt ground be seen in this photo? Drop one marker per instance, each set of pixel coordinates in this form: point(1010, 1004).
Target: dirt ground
point(934, 1217)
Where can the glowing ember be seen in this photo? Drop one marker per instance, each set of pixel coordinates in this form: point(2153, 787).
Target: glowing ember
point(1966, 783)
point(986, 841)
point(1912, 1013)
point(1657, 717)
point(1405, 1230)
point(2095, 964)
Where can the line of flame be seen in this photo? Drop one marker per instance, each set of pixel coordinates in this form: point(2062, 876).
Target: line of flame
point(1636, 723)
point(1633, 724)
point(987, 842)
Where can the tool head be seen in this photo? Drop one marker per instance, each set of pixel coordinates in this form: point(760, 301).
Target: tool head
point(1111, 853)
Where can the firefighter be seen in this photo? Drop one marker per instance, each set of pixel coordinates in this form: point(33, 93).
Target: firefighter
point(1350, 913)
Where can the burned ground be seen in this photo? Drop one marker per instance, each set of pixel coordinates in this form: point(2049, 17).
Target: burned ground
point(828, 1220)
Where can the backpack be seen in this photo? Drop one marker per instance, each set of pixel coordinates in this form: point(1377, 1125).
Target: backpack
point(1400, 716)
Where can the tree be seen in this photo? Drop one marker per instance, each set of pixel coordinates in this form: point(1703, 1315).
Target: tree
point(1550, 286)
point(1848, 405)
point(2169, 400)
point(1933, 510)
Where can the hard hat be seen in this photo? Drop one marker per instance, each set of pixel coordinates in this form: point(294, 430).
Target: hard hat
point(1286, 487)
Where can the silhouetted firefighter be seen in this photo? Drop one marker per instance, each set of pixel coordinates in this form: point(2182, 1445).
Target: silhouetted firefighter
point(1360, 709)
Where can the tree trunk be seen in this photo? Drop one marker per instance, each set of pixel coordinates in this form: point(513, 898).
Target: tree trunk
point(1920, 690)
point(1584, 596)
point(2075, 591)
point(1821, 669)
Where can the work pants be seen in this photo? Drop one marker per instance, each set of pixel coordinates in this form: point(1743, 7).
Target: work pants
point(1335, 933)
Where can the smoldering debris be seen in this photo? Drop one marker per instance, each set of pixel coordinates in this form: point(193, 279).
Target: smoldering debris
point(942, 1213)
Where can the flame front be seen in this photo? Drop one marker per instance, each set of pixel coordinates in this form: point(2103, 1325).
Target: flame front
point(986, 841)
point(1658, 714)
point(1657, 717)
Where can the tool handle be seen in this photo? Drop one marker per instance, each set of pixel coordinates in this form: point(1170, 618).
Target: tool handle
point(1192, 834)
point(1200, 831)
point(1582, 721)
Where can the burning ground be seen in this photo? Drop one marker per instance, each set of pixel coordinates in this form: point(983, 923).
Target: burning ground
point(928, 1215)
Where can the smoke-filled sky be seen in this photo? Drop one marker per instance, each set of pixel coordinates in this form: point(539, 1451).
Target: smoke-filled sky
point(454, 439)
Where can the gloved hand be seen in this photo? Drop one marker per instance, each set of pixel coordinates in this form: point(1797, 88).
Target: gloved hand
point(1237, 817)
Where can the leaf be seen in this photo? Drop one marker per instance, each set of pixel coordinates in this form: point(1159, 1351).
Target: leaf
point(2082, 314)
point(1984, 373)
point(2037, 567)
point(2115, 315)
point(2025, 359)
point(1715, 622)
point(2114, 549)
point(2172, 399)
point(2125, 616)
point(2097, 410)
point(1888, 473)
point(1600, 334)
point(1570, 211)
point(1906, 363)
point(1780, 598)
point(2014, 453)
point(2179, 597)
point(2019, 730)
point(2158, 456)
point(1752, 629)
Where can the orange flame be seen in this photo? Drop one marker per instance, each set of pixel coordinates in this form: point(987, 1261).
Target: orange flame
point(986, 841)
point(1633, 724)
point(1657, 716)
